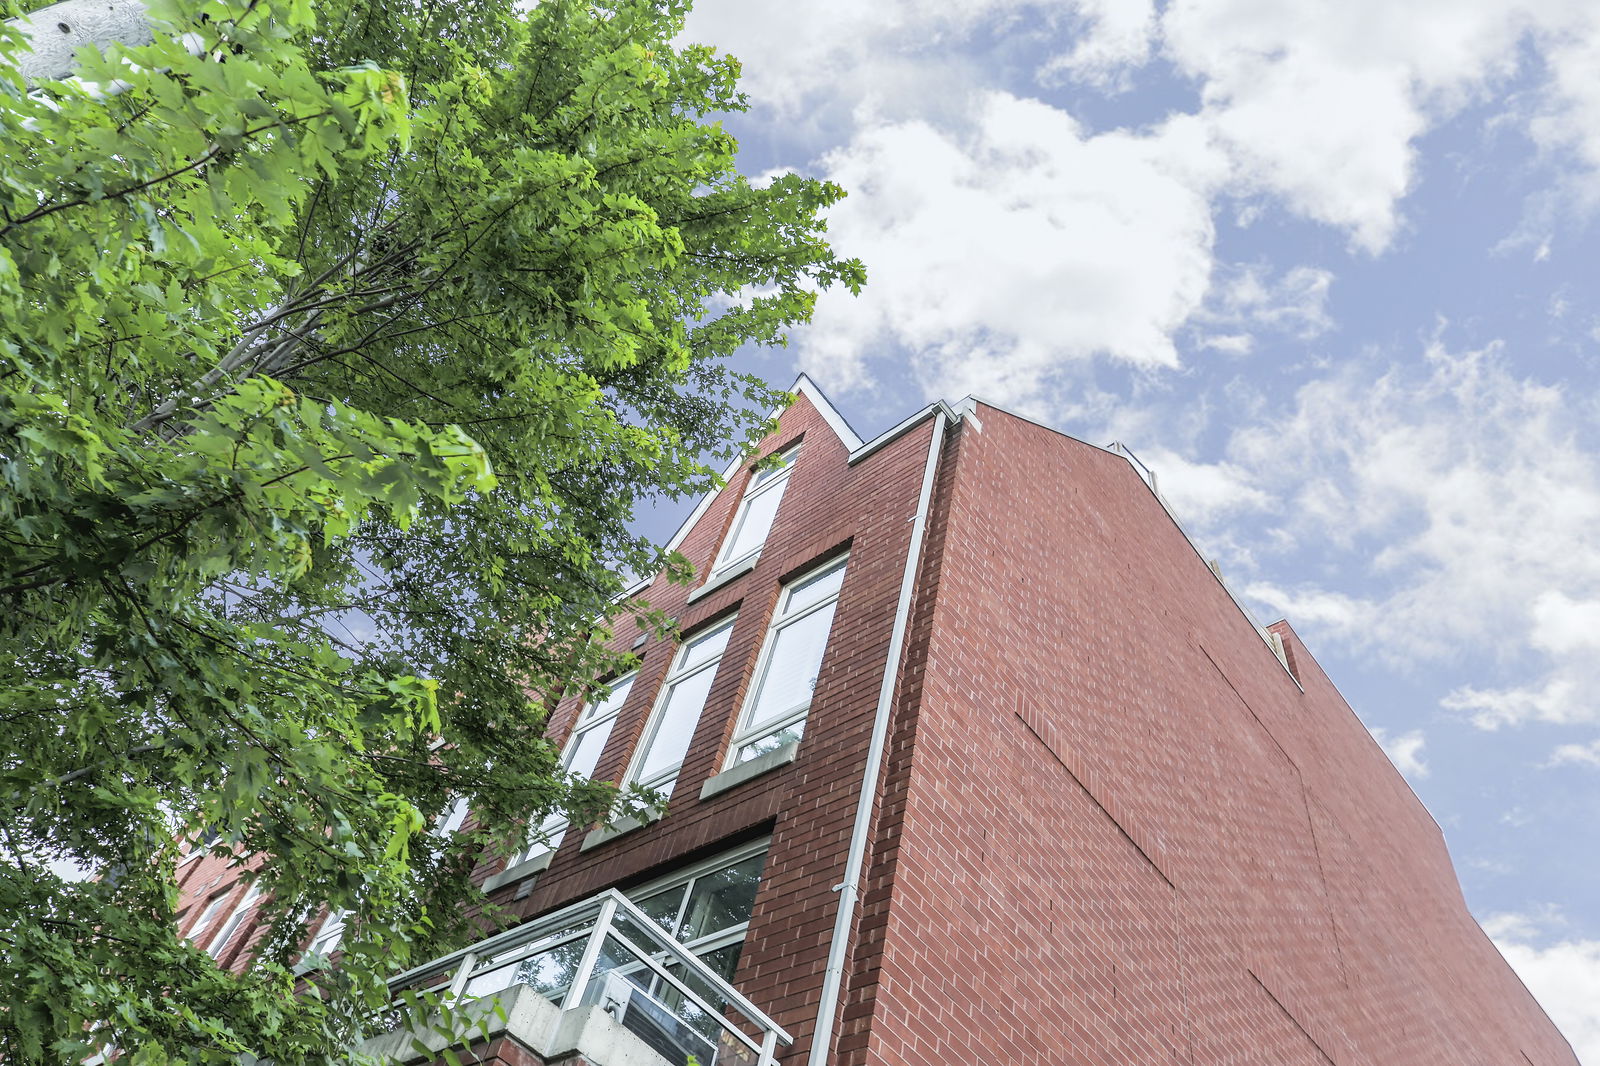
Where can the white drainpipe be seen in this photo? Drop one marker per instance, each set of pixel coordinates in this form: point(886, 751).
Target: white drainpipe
point(849, 888)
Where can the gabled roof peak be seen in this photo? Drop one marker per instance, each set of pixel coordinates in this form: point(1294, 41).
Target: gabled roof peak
point(804, 386)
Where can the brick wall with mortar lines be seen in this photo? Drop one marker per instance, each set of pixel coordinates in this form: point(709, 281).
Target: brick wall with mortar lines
point(808, 806)
point(828, 507)
point(1112, 829)
point(866, 956)
point(204, 878)
point(1128, 837)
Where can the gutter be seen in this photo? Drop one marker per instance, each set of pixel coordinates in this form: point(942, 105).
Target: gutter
point(849, 888)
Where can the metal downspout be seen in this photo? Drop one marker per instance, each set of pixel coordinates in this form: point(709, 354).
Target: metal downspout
point(849, 888)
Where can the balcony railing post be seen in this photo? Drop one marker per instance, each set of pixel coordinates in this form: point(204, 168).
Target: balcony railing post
point(591, 953)
point(769, 1048)
point(458, 983)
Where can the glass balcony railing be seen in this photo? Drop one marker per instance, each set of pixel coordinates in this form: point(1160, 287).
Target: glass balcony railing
point(606, 952)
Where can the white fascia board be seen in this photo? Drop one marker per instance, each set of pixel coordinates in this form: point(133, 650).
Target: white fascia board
point(900, 429)
point(852, 441)
point(830, 414)
point(808, 388)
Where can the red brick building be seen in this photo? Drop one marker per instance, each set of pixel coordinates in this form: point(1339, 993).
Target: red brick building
point(972, 758)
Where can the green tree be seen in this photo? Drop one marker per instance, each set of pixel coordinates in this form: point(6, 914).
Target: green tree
point(329, 318)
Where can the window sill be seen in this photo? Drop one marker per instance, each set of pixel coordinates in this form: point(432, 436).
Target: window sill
point(738, 775)
point(613, 831)
point(519, 872)
point(718, 580)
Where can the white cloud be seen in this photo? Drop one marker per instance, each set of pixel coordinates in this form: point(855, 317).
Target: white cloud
point(1563, 975)
point(1554, 699)
point(1463, 499)
point(1582, 754)
point(1248, 299)
point(1325, 611)
point(1562, 624)
point(1404, 750)
point(1016, 248)
point(1113, 36)
point(1203, 493)
point(1570, 116)
point(834, 56)
point(1321, 104)
point(959, 192)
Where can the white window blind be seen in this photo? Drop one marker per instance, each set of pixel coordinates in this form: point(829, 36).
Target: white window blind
point(677, 712)
point(756, 512)
point(786, 674)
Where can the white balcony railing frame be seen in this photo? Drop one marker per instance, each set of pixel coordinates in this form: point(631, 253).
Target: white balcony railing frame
point(546, 933)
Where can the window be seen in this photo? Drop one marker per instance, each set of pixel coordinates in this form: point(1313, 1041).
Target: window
point(706, 907)
point(200, 846)
point(207, 916)
point(786, 673)
point(756, 511)
point(588, 740)
point(330, 935)
point(452, 819)
point(219, 943)
point(683, 697)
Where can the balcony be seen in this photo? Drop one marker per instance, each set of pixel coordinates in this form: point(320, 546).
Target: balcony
point(598, 980)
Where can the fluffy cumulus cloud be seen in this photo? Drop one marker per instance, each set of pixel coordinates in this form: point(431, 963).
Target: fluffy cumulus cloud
point(822, 60)
point(1112, 38)
point(1003, 252)
point(1404, 750)
point(1563, 975)
point(1313, 107)
point(1321, 104)
point(1569, 118)
point(1204, 495)
point(1458, 497)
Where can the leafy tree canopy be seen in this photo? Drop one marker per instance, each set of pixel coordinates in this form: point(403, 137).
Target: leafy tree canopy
point(369, 316)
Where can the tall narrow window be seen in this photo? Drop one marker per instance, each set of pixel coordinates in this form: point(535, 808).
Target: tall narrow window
point(786, 674)
point(330, 935)
point(677, 713)
point(588, 740)
point(453, 818)
point(756, 512)
point(207, 916)
point(224, 936)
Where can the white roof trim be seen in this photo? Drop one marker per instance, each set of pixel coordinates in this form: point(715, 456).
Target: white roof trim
point(830, 414)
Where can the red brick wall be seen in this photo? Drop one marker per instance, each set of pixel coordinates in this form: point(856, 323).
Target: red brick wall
point(1112, 828)
point(1125, 834)
point(809, 806)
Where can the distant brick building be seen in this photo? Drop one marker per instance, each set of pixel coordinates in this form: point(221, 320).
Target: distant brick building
point(1107, 819)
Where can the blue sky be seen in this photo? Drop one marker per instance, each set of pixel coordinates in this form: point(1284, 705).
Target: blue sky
point(1330, 270)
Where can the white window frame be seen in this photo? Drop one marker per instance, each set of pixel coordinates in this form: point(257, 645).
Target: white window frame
point(684, 876)
point(761, 482)
point(675, 677)
point(555, 826)
point(747, 732)
point(208, 915)
point(330, 934)
point(453, 818)
point(199, 847)
point(225, 935)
